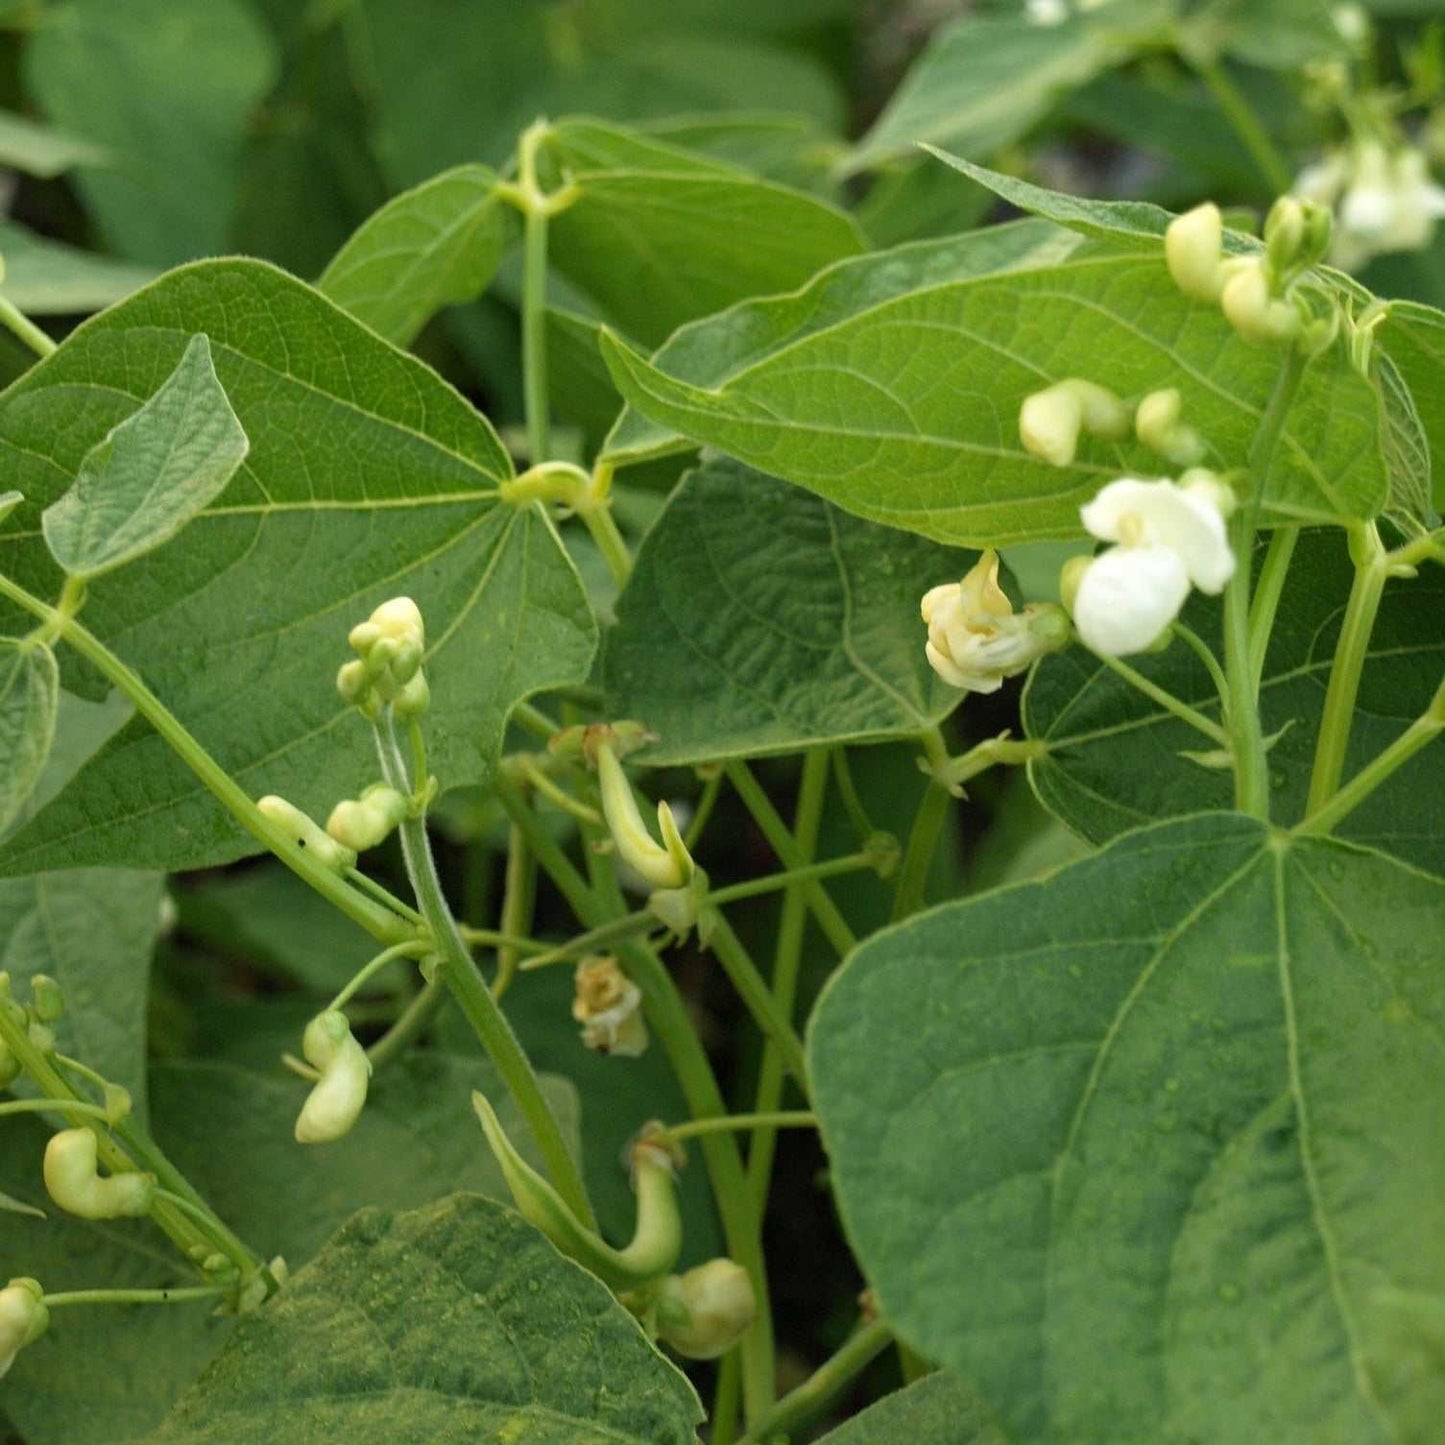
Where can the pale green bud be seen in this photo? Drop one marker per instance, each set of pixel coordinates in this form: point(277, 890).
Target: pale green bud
point(702, 1314)
point(414, 698)
point(73, 1181)
point(1158, 426)
point(46, 998)
point(1050, 420)
point(362, 823)
point(304, 833)
point(23, 1318)
point(1193, 247)
point(336, 1100)
point(1254, 313)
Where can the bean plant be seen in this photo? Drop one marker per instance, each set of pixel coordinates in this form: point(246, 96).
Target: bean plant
point(774, 688)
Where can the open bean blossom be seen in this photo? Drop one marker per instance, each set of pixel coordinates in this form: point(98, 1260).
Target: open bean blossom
point(1169, 537)
point(976, 639)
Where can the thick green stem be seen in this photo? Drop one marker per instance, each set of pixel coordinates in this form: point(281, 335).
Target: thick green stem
point(780, 840)
point(535, 217)
point(803, 1405)
point(1251, 774)
point(185, 1295)
point(668, 1016)
point(602, 526)
point(1371, 573)
point(381, 923)
point(787, 962)
point(918, 853)
point(752, 988)
point(1421, 733)
point(1270, 588)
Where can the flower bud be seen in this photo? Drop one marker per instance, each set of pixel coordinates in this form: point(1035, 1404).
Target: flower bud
point(702, 1314)
point(1193, 247)
point(339, 1095)
point(1158, 426)
point(608, 1005)
point(668, 866)
point(74, 1183)
point(1253, 311)
point(1050, 420)
point(414, 698)
point(304, 833)
point(359, 824)
point(1284, 233)
point(23, 1319)
point(46, 998)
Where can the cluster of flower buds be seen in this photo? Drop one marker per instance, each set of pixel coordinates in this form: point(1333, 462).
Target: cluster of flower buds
point(1168, 537)
point(704, 1312)
point(1255, 292)
point(656, 1240)
point(1384, 199)
point(23, 1319)
point(608, 1005)
point(306, 833)
point(976, 639)
point(73, 1180)
point(337, 1098)
point(390, 647)
point(364, 822)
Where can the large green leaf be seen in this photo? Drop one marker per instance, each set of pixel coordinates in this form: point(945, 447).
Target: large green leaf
point(1414, 337)
point(710, 351)
point(937, 1410)
point(906, 411)
point(48, 278)
point(984, 81)
point(146, 478)
point(229, 1131)
point(434, 246)
point(367, 477)
point(457, 1321)
point(1150, 1150)
point(168, 90)
point(659, 235)
point(92, 931)
point(759, 619)
point(29, 688)
point(1116, 760)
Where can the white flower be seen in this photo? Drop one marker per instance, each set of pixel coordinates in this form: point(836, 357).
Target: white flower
point(338, 1097)
point(608, 1005)
point(975, 639)
point(1170, 536)
point(1387, 201)
point(1046, 12)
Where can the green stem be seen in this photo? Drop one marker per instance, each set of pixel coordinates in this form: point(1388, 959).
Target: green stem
point(381, 923)
point(595, 940)
point(535, 217)
point(602, 526)
point(848, 792)
point(1371, 573)
point(1238, 112)
point(1246, 737)
point(787, 963)
point(1423, 731)
point(668, 1016)
point(414, 1018)
point(723, 1426)
point(918, 852)
point(772, 1119)
point(536, 722)
point(70, 1108)
point(803, 1405)
point(364, 975)
point(1202, 650)
point(133, 1296)
point(466, 985)
point(792, 877)
point(707, 801)
point(1267, 592)
point(1166, 700)
point(519, 900)
point(22, 326)
point(780, 840)
point(539, 782)
point(384, 896)
point(753, 989)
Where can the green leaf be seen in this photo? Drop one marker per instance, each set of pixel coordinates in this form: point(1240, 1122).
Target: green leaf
point(1275, 34)
point(229, 1130)
point(29, 686)
point(368, 477)
point(1145, 1151)
point(169, 93)
point(906, 411)
point(10, 1205)
point(38, 150)
point(456, 1321)
point(797, 624)
point(48, 278)
point(1413, 336)
point(984, 81)
point(431, 247)
point(935, 1410)
point(710, 351)
point(1115, 760)
point(150, 474)
point(93, 931)
point(659, 235)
